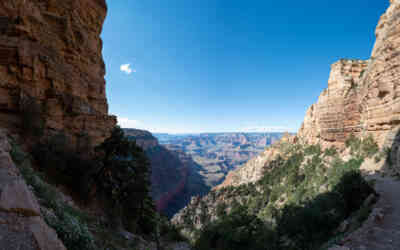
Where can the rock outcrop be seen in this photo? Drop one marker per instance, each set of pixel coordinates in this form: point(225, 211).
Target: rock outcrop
point(50, 56)
point(21, 226)
point(362, 96)
point(337, 113)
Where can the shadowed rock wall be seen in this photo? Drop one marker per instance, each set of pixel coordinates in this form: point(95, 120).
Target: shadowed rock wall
point(50, 51)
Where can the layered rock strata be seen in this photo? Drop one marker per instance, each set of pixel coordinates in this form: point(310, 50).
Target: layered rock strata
point(337, 113)
point(362, 96)
point(50, 55)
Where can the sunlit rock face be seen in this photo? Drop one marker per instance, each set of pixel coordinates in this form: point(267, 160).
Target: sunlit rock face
point(336, 113)
point(50, 51)
point(362, 96)
point(380, 103)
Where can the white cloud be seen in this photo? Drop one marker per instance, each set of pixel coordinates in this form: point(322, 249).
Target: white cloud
point(124, 122)
point(127, 68)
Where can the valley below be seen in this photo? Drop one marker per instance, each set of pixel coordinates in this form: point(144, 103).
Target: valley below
point(218, 153)
point(185, 166)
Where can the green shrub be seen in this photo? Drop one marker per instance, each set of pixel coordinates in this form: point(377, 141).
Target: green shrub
point(316, 199)
point(17, 154)
point(237, 231)
point(122, 178)
point(332, 151)
point(68, 222)
point(221, 209)
point(369, 146)
point(366, 147)
point(354, 144)
point(72, 232)
point(312, 149)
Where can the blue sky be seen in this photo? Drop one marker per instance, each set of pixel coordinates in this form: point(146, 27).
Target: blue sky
point(227, 65)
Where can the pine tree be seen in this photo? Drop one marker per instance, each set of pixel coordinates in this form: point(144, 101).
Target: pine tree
point(123, 177)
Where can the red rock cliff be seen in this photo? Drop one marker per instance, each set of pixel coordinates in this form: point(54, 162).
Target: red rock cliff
point(50, 51)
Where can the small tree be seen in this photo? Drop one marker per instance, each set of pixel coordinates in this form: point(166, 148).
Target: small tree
point(123, 178)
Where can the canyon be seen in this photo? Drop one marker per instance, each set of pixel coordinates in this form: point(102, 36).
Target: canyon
point(359, 105)
point(184, 166)
point(219, 153)
point(52, 82)
point(175, 176)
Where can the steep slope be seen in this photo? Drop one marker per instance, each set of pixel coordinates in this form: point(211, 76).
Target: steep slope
point(174, 175)
point(359, 106)
point(21, 223)
point(51, 65)
point(300, 200)
point(253, 170)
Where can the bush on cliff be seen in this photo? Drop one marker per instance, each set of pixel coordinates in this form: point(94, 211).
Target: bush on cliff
point(122, 176)
point(302, 198)
point(65, 220)
point(362, 148)
point(118, 176)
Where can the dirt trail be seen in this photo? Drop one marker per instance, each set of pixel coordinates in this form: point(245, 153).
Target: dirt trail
point(382, 229)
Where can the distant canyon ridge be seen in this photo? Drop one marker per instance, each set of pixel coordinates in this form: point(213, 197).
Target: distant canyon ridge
point(190, 165)
point(219, 153)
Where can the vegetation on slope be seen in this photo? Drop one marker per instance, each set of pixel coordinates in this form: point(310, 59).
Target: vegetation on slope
point(114, 183)
point(301, 200)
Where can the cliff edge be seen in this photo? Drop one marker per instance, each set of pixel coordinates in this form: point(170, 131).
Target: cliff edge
point(50, 57)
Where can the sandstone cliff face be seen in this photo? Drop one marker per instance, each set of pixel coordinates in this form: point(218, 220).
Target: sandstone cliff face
point(362, 96)
point(336, 114)
point(50, 52)
point(380, 102)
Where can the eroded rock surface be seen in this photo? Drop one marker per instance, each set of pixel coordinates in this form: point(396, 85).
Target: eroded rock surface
point(337, 113)
point(50, 52)
point(362, 96)
point(21, 226)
